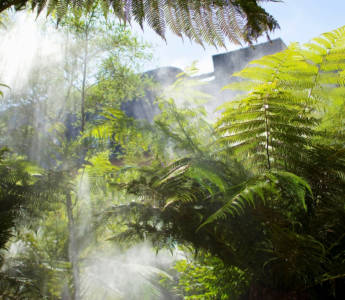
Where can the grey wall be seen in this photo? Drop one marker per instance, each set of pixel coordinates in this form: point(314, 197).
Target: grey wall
point(224, 65)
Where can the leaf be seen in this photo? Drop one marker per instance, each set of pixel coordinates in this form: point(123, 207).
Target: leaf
point(272, 185)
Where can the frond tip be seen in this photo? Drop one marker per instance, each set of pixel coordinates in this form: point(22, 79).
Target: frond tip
point(3, 85)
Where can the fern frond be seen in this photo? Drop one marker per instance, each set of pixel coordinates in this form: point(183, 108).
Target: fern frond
point(201, 21)
point(289, 94)
point(273, 185)
point(267, 122)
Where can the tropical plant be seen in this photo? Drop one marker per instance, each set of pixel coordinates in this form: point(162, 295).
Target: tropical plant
point(201, 21)
point(285, 118)
point(23, 185)
point(36, 265)
point(205, 278)
point(281, 220)
point(14, 192)
point(27, 193)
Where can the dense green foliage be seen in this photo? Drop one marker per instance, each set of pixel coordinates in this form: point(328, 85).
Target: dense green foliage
point(15, 191)
point(52, 239)
point(252, 206)
point(268, 196)
point(206, 278)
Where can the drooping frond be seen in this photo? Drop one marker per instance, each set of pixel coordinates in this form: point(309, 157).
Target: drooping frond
point(164, 186)
point(268, 189)
point(208, 21)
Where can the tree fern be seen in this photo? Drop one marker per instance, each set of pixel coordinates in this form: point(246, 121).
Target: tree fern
point(201, 21)
point(282, 220)
point(288, 93)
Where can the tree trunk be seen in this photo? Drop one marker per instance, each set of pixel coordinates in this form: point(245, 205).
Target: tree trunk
point(83, 87)
point(72, 248)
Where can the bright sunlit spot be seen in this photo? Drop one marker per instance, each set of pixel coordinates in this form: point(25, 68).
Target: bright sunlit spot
point(23, 45)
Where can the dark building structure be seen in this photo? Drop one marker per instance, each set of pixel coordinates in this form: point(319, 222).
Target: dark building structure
point(224, 65)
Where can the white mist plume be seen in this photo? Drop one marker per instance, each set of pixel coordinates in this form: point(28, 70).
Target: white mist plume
point(31, 51)
point(21, 43)
point(108, 272)
point(124, 275)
